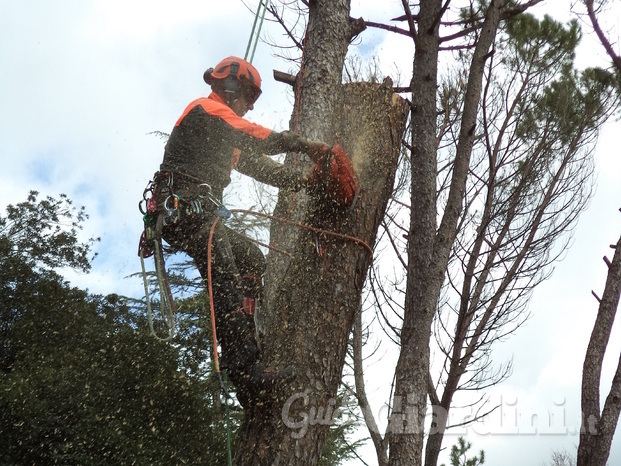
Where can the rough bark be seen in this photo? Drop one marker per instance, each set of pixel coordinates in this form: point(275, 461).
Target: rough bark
point(598, 426)
point(405, 428)
point(317, 96)
point(318, 295)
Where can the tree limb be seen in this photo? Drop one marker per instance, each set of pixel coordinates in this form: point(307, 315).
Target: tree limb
point(379, 442)
point(616, 60)
point(599, 427)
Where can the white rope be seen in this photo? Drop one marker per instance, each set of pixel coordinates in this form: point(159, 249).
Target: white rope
point(167, 312)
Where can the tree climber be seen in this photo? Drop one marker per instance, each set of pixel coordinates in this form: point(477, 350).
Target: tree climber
point(210, 139)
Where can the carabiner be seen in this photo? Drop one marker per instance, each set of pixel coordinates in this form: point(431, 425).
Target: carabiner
point(223, 212)
point(175, 203)
point(207, 186)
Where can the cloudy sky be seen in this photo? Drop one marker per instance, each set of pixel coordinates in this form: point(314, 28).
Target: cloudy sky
point(83, 84)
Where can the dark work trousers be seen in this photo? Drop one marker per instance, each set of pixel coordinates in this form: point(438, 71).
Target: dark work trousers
point(237, 267)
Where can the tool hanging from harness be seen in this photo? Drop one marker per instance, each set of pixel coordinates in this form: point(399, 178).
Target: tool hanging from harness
point(161, 206)
point(151, 244)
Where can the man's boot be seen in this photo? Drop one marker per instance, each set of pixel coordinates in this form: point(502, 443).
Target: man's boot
point(240, 358)
point(263, 379)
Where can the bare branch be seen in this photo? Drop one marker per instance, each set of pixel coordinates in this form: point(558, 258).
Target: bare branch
point(380, 444)
point(616, 60)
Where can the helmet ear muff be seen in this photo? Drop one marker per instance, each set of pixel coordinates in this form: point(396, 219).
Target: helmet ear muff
point(231, 82)
point(207, 76)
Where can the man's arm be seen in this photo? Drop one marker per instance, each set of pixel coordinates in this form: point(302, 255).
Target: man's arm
point(268, 171)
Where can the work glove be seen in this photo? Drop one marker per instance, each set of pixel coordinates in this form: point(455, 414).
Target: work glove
point(334, 172)
point(319, 153)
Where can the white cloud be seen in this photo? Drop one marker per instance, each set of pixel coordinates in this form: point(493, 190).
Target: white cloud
point(146, 20)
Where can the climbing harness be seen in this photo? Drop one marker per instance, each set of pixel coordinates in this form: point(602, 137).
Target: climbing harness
point(151, 239)
point(150, 244)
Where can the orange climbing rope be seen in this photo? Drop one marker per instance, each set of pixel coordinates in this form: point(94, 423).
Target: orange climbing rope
point(307, 227)
point(211, 303)
point(271, 217)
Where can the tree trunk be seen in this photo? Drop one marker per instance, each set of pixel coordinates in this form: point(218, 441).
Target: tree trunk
point(598, 428)
point(317, 97)
point(428, 245)
point(406, 424)
point(315, 300)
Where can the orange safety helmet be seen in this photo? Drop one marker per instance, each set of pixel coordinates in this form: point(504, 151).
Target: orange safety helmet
point(236, 74)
